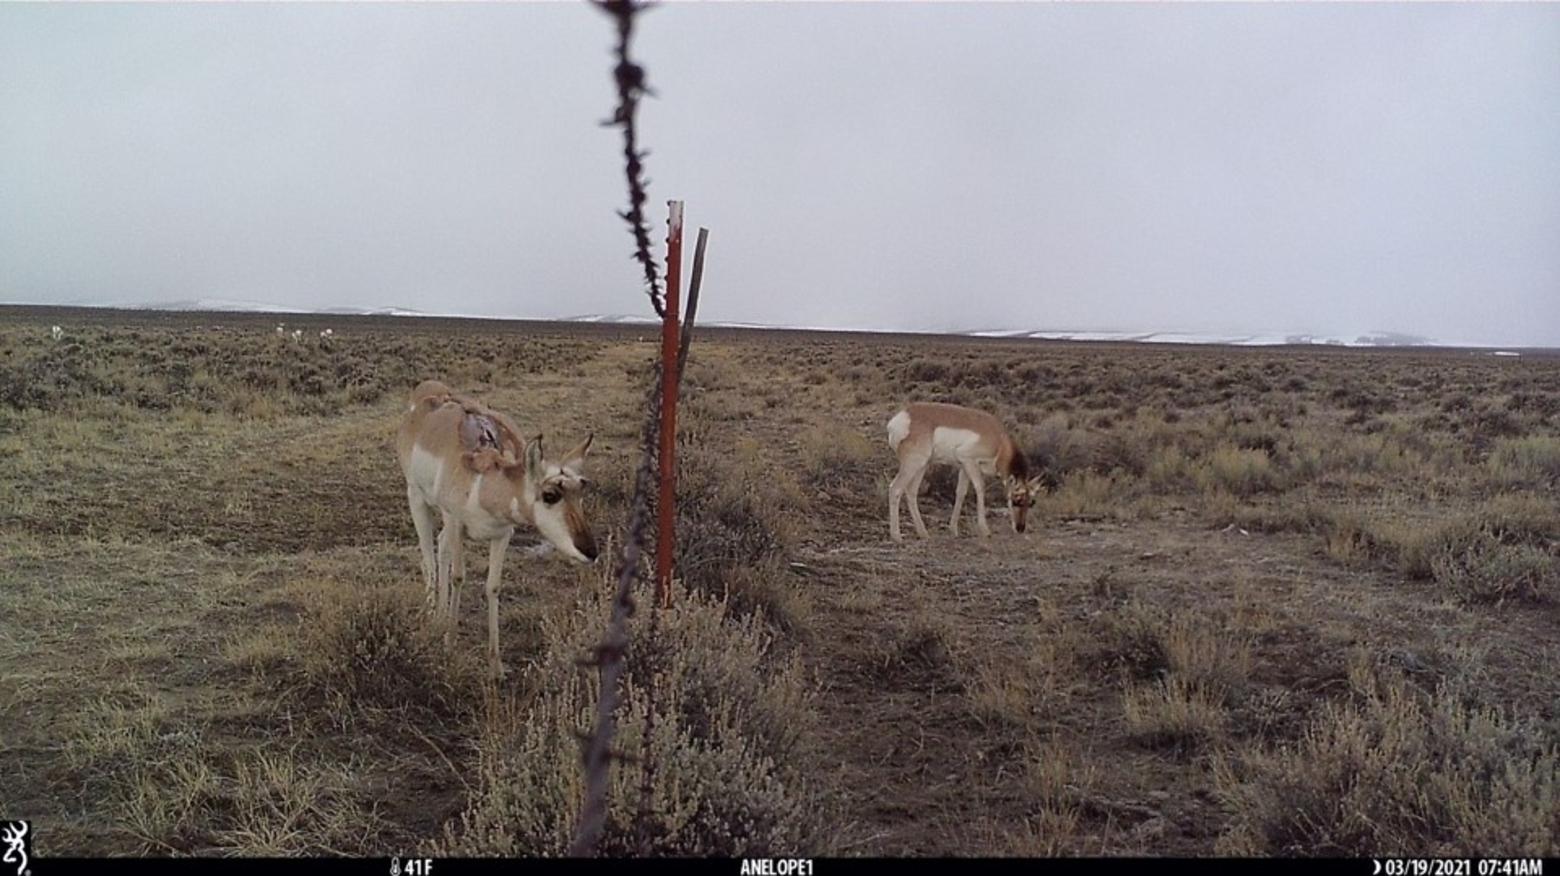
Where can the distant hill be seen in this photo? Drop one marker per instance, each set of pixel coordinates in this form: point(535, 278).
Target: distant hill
point(1373, 339)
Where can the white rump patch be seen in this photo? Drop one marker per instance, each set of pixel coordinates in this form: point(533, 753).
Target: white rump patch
point(898, 429)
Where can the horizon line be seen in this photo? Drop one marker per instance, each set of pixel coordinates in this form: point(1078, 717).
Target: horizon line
point(1134, 336)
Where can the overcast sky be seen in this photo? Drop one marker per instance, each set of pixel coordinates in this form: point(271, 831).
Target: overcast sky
point(1233, 168)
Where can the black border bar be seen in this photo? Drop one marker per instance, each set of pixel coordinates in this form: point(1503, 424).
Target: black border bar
point(403, 866)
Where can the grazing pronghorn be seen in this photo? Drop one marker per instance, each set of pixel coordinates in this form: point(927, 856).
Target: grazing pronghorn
point(974, 441)
point(469, 463)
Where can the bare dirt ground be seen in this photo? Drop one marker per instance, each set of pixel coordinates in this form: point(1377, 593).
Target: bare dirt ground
point(1244, 553)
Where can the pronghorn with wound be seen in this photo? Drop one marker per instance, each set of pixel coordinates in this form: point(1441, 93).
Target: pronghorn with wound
point(468, 463)
point(973, 441)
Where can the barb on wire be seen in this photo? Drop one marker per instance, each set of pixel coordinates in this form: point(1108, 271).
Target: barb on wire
point(610, 653)
point(631, 86)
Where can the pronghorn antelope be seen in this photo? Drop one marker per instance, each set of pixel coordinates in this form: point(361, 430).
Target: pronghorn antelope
point(468, 462)
point(974, 441)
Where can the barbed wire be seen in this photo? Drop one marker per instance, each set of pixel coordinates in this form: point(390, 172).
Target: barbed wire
point(647, 760)
point(630, 78)
point(611, 652)
point(610, 656)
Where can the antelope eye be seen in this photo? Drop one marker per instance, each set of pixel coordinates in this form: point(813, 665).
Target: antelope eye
point(551, 496)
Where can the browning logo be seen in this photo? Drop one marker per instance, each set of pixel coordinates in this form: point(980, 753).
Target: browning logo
point(16, 837)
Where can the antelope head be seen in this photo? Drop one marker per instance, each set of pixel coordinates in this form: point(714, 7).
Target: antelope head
point(542, 492)
point(1021, 495)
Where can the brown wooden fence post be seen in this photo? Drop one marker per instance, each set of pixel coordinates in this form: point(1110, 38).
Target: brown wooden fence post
point(670, 337)
point(693, 299)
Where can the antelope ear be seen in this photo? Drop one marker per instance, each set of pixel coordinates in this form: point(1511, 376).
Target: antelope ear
point(1037, 483)
point(574, 460)
point(481, 461)
point(533, 456)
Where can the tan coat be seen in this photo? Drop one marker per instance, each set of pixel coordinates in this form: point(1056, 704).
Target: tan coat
point(991, 444)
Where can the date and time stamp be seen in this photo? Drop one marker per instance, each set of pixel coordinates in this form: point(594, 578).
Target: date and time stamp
point(1457, 867)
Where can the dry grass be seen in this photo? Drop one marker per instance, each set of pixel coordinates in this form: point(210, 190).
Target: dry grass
point(1173, 713)
point(259, 805)
point(729, 716)
point(376, 647)
point(1532, 460)
point(1056, 783)
point(843, 462)
point(732, 530)
point(1193, 670)
point(1397, 771)
point(1239, 471)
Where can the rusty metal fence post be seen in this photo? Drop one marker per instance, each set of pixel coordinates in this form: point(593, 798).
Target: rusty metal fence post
point(671, 370)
